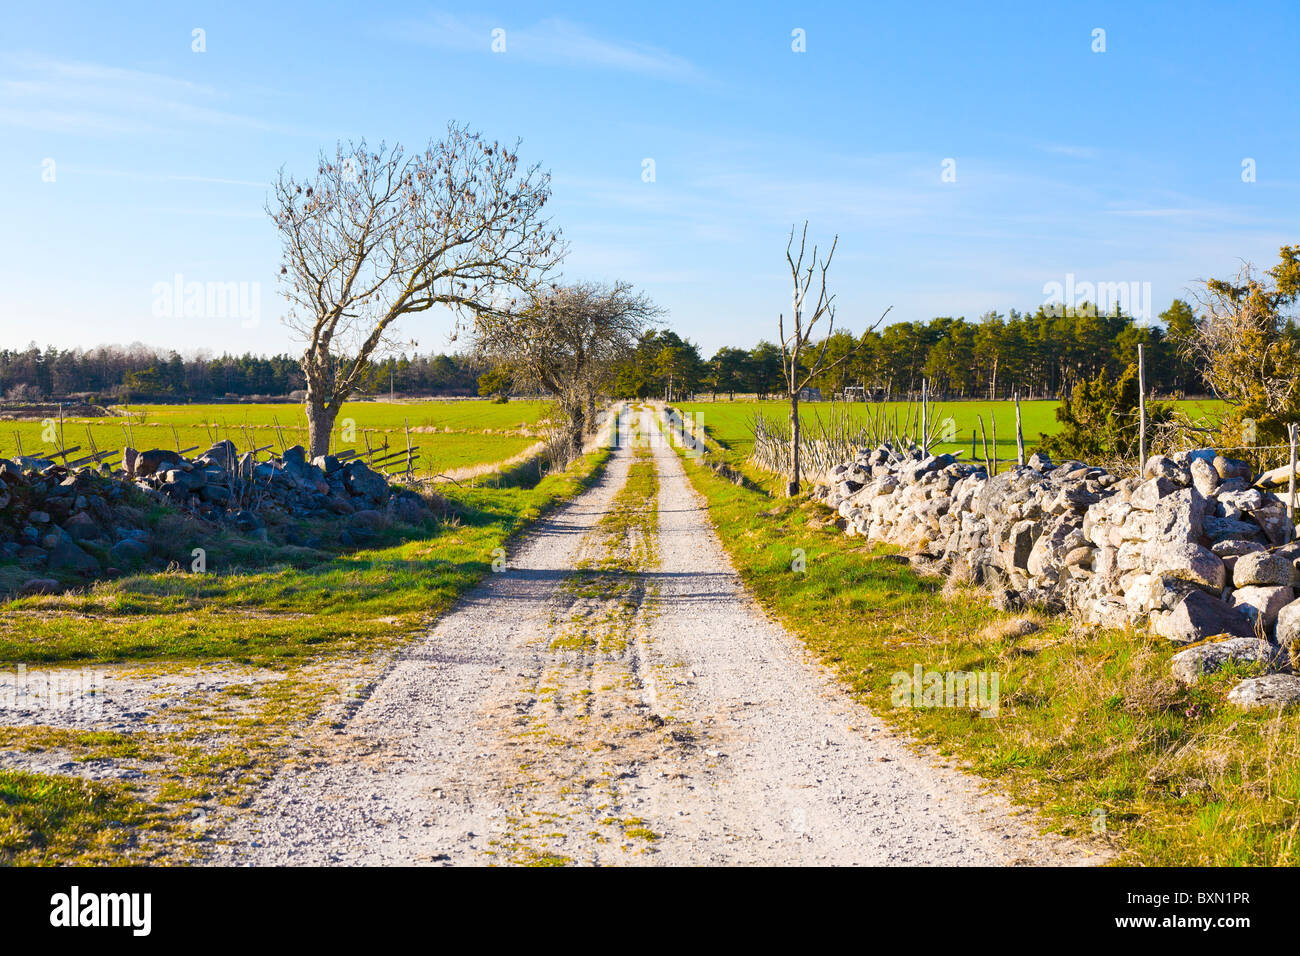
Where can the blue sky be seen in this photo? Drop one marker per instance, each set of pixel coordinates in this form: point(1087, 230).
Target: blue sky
point(1115, 166)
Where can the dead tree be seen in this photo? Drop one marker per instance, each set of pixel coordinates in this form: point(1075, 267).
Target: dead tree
point(796, 373)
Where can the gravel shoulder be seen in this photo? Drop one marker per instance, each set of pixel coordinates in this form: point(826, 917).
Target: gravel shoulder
point(614, 696)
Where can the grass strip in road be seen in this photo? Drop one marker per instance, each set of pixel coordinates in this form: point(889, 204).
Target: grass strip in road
point(1091, 728)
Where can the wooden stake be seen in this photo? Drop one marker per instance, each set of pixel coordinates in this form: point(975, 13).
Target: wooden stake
point(984, 440)
point(1290, 490)
point(1020, 434)
point(993, 423)
point(1142, 412)
point(925, 418)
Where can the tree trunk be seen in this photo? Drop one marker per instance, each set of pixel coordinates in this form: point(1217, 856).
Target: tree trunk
point(792, 488)
point(577, 429)
point(320, 422)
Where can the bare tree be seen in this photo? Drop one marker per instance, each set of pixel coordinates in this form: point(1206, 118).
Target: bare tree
point(796, 372)
point(567, 342)
point(374, 236)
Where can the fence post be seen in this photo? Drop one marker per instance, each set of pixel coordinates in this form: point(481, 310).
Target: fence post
point(1020, 434)
point(1142, 413)
point(925, 438)
point(993, 424)
point(1290, 485)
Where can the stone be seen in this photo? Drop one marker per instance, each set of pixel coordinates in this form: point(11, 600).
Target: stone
point(1261, 605)
point(81, 527)
point(1262, 568)
point(1276, 692)
point(64, 555)
point(1190, 562)
point(40, 586)
point(1288, 625)
point(1161, 466)
point(1204, 478)
point(1232, 547)
point(1199, 616)
point(1219, 529)
point(148, 462)
point(1040, 462)
point(360, 480)
point(1188, 666)
point(368, 520)
point(1148, 494)
point(128, 552)
point(1229, 468)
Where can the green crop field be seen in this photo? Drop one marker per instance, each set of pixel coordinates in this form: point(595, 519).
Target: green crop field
point(471, 415)
point(731, 423)
point(450, 435)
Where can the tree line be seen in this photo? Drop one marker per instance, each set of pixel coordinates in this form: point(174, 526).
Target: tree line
point(138, 373)
point(1037, 354)
point(1040, 354)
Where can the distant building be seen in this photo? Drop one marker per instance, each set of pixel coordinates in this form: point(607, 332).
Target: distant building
point(810, 394)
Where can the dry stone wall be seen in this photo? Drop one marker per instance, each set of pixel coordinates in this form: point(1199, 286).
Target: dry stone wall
point(1190, 549)
point(59, 524)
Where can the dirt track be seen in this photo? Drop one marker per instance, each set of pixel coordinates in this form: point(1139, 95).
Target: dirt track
point(615, 697)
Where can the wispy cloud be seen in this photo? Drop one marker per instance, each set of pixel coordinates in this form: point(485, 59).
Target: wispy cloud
point(161, 177)
point(39, 92)
point(550, 42)
point(1070, 150)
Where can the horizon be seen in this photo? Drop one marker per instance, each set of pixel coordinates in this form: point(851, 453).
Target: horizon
point(136, 158)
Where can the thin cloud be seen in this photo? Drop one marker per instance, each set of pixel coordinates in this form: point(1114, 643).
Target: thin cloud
point(162, 177)
point(1067, 149)
point(63, 95)
point(550, 42)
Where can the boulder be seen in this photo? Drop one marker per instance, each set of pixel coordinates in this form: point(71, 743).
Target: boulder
point(1277, 692)
point(1229, 468)
point(1288, 625)
point(64, 555)
point(1199, 616)
point(1262, 568)
point(128, 552)
point(360, 480)
point(40, 586)
point(1261, 605)
point(81, 527)
point(155, 459)
point(1188, 666)
point(1204, 478)
point(1190, 562)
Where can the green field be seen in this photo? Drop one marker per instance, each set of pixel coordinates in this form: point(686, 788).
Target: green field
point(731, 423)
point(450, 435)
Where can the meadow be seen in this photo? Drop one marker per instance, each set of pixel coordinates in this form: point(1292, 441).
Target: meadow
point(450, 435)
point(731, 423)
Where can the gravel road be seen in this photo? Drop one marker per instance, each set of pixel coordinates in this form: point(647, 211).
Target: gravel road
point(651, 715)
